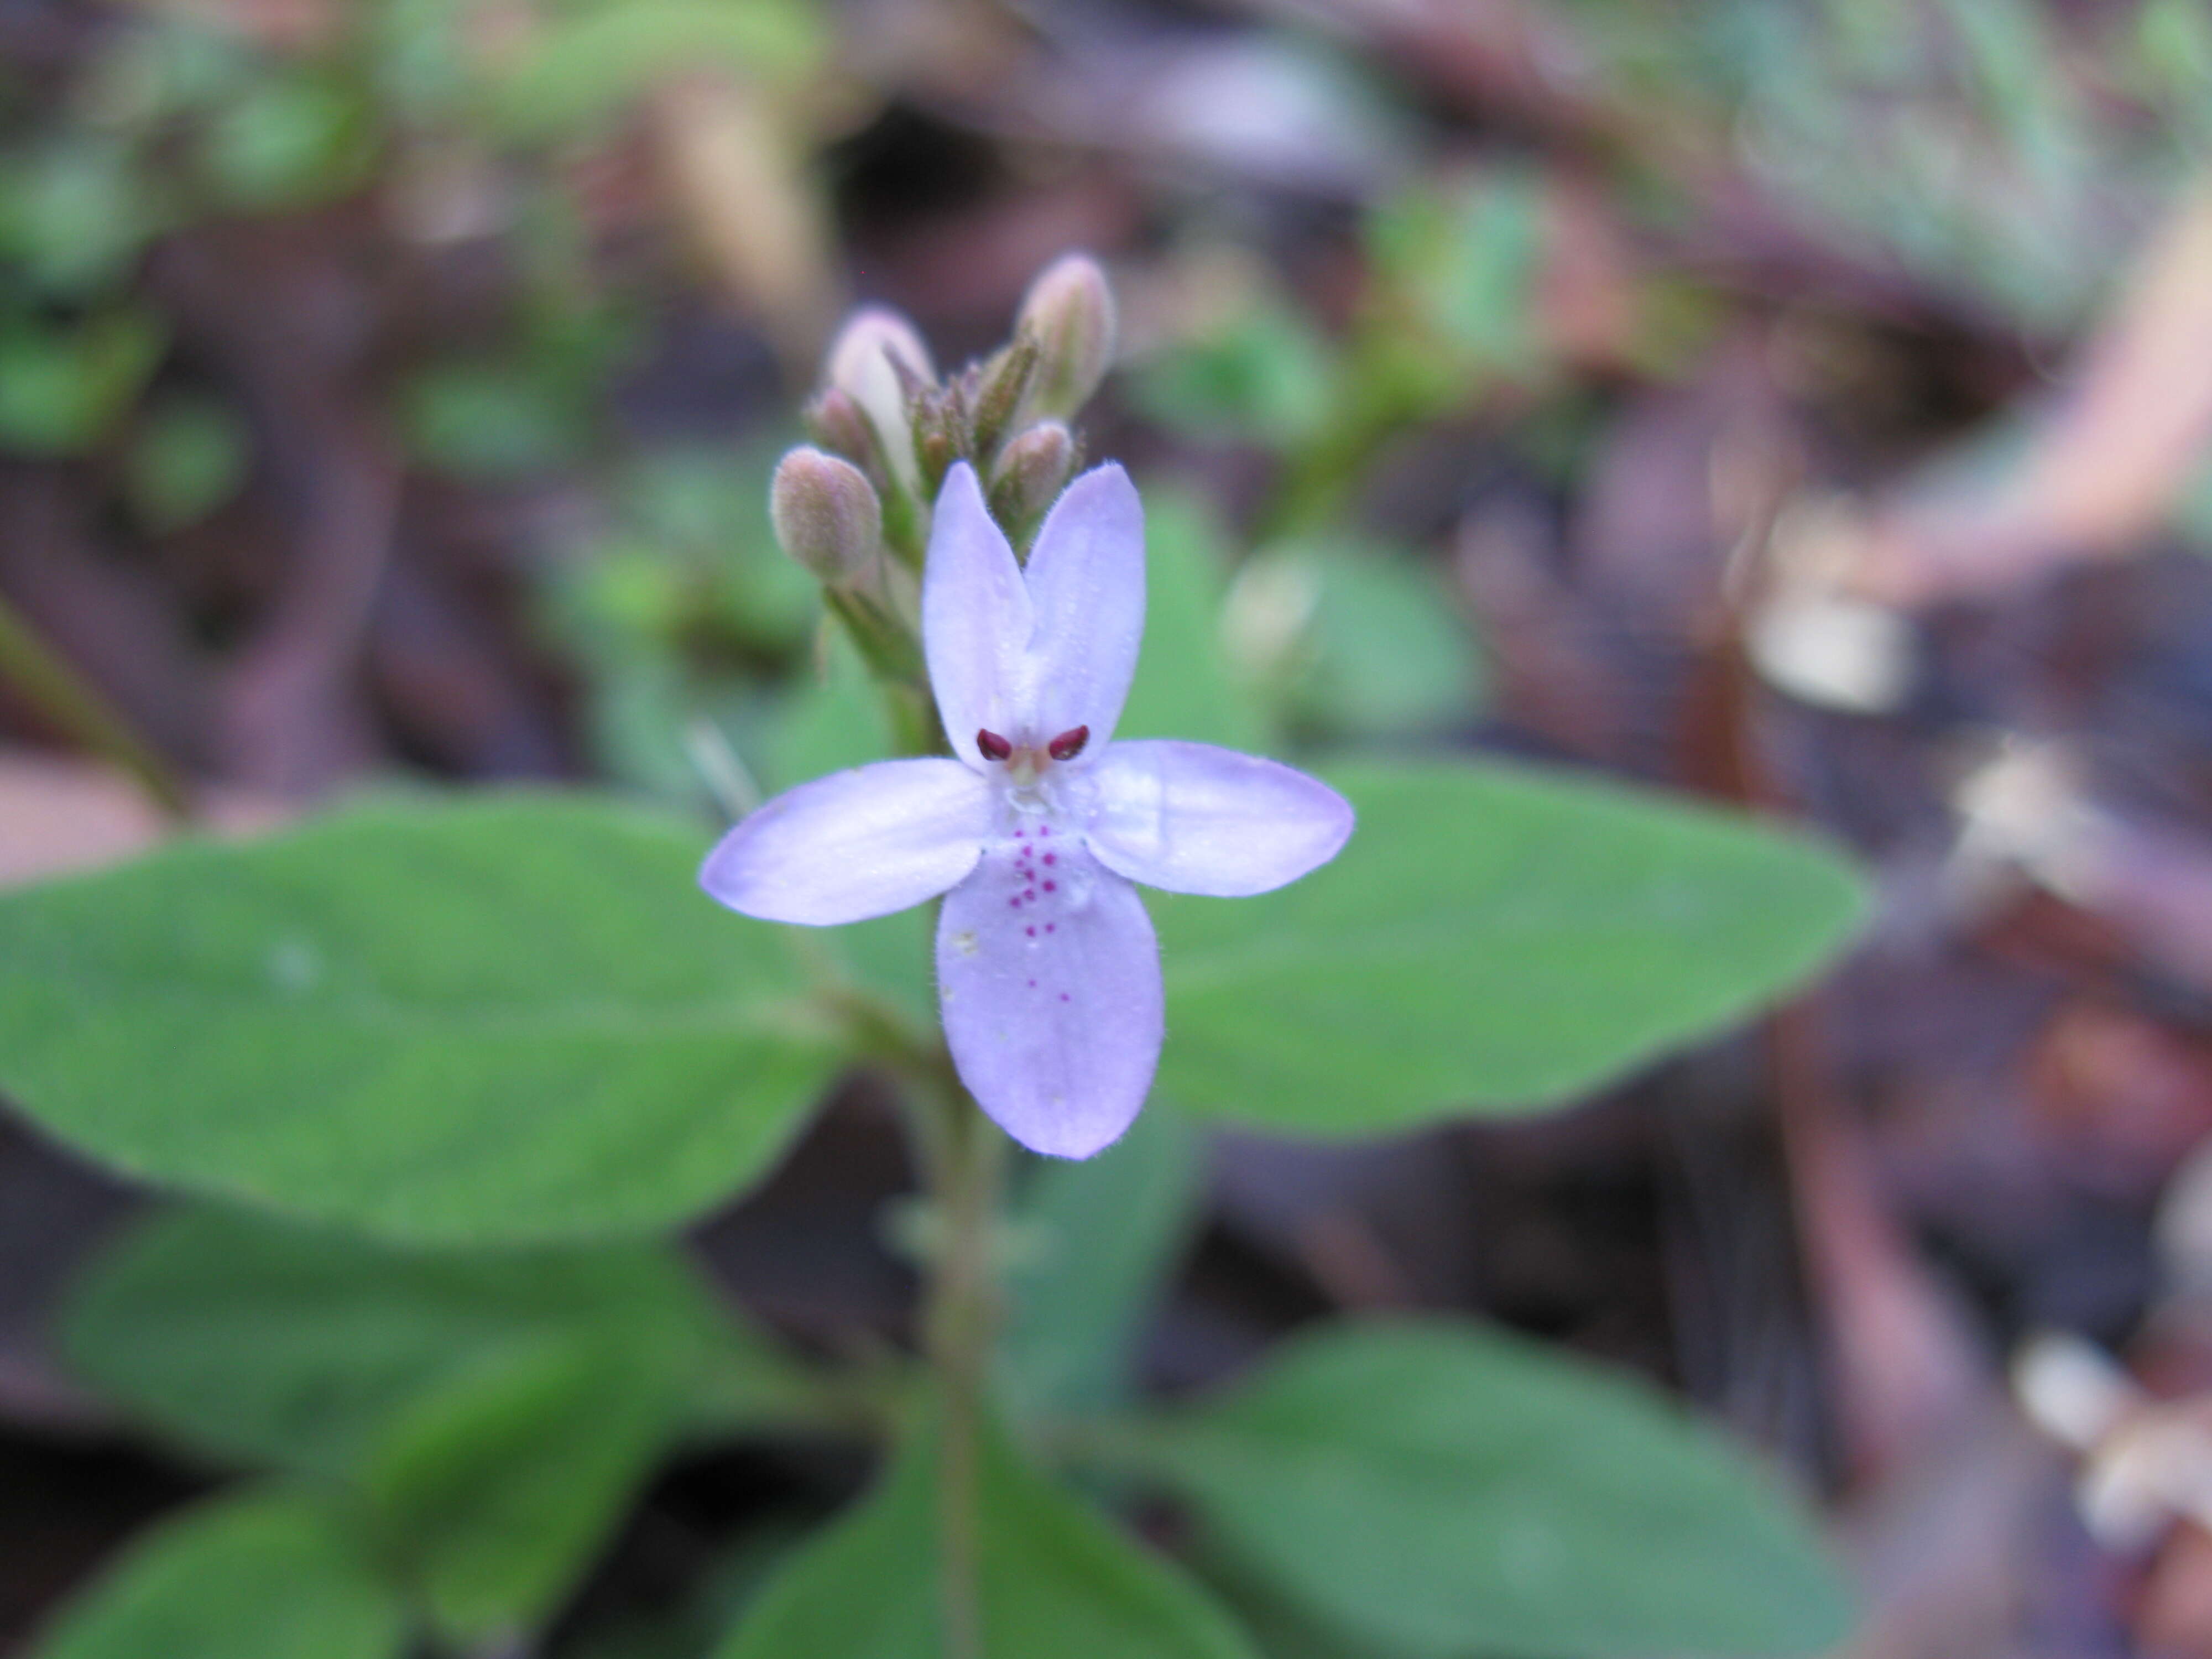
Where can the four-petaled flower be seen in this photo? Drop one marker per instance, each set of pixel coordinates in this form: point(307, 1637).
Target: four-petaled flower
point(1048, 969)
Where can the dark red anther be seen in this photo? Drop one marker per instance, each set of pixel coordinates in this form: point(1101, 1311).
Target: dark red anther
point(1068, 745)
point(994, 746)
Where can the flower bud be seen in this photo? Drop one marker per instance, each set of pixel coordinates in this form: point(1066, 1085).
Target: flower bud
point(878, 359)
point(835, 422)
point(1069, 310)
point(825, 514)
point(1001, 388)
point(1032, 471)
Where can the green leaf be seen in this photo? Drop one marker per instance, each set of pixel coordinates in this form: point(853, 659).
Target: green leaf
point(188, 456)
point(258, 1576)
point(582, 68)
point(497, 1491)
point(290, 139)
point(255, 1339)
point(1355, 641)
point(1182, 687)
point(1262, 374)
point(1105, 1233)
point(497, 1410)
point(1055, 1579)
point(492, 420)
point(63, 386)
point(502, 1017)
point(1443, 1491)
point(1494, 936)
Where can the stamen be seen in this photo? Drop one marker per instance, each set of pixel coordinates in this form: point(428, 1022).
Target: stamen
point(1068, 745)
point(994, 746)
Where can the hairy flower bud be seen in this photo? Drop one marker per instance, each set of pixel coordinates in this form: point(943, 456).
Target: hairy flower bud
point(835, 422)
point(1069, 310)
point(1034, 468)
point(877, 359)
point(825, 514)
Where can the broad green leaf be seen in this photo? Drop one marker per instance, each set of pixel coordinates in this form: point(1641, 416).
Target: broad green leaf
point(1494, 936)
point(1444, 1492)
point(496, 1491)
point(1105, 1233)
point(258, 1341)
point(257, 1577)
point(501, 1017)
point(1055, 1579)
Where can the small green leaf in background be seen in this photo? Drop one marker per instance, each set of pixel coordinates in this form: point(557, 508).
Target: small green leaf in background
point(289, 139)
point(1182, 689)
point(491, 420)
point(188, 456)
point(1354, 641)
point(65, 386)
point(1261, 375)
point(1102, 1235)
point(1056, 1579)
point(1442, 1492)
point(1468, 252)
point(1494, 936)
point(504, 1018)
point(592, 58)
point(74, 215)
point(264, 1575)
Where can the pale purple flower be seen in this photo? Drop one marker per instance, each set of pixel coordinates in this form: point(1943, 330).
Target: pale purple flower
point(1048, 971)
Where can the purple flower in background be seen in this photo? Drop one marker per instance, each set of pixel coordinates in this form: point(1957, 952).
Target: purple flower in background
point(1048, 969)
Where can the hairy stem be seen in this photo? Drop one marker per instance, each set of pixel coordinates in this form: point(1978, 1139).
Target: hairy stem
point(963, 1319)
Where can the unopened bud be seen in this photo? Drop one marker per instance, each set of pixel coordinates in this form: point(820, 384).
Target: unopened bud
point(877, 359)
point(825, 514)
point(1069, 310)
point(1031, 472)
point(834, 421)
point(1000, 390)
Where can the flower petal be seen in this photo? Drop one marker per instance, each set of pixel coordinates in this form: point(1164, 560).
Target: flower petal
point(1049, 975)
point(853, 844)
point(1192, 818)
point(1086, 582)
point(976, 618)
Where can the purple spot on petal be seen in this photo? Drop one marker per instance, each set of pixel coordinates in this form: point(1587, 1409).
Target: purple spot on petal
point(1016, 902)
point(1063, 996)
point(1032, 985)
point(1052, 857)
point(1051, 887)
point(1052, 928)
point(1030, 893)
point(1032, 933)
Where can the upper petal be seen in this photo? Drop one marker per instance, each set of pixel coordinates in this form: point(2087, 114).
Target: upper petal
point(1050, 978)
point(1086, 584)
point(975, 618)
point(1192, 818)
point(855, 844)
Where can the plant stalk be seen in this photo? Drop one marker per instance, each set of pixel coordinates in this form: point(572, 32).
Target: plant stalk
point(962, 1322)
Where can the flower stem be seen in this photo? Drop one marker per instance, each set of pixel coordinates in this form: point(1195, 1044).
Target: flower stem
point(962, 1322)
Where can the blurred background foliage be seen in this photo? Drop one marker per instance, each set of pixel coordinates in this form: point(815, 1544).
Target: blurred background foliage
point(1802, 401)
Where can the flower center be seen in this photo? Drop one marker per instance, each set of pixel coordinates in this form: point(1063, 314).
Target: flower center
point(1026, 762)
